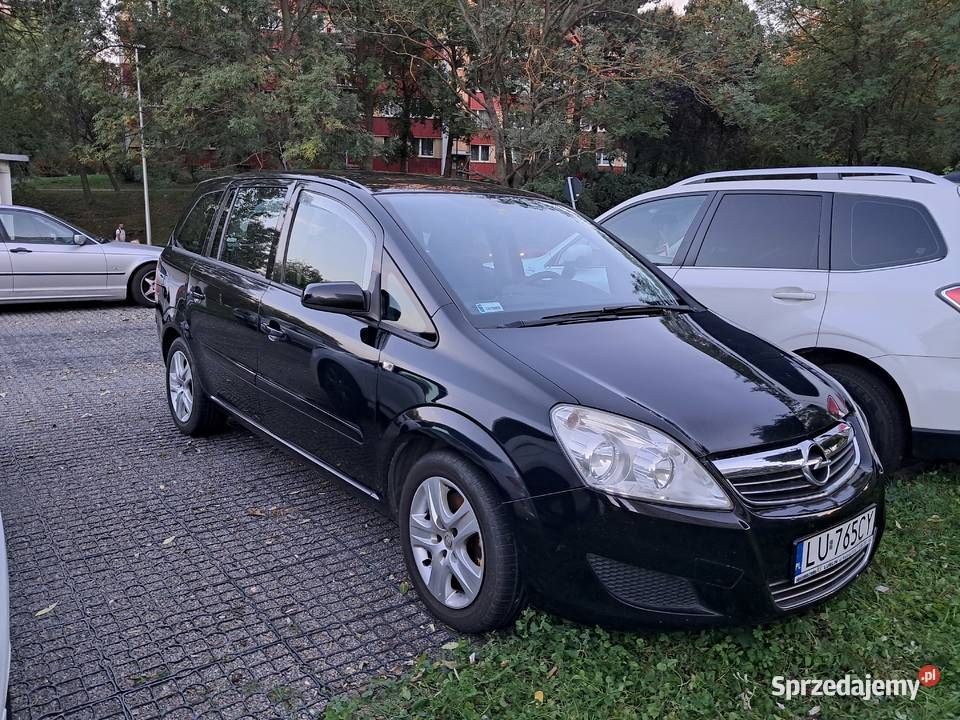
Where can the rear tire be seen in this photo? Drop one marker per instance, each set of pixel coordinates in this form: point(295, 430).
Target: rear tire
point(888, 422)
point(192, 411)
point(142, 289)
point(468, 508)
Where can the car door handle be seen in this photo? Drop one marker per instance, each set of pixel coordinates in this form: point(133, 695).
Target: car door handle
point(793, 293)
point(272, 331)
point(20, 250)
point(196, 294)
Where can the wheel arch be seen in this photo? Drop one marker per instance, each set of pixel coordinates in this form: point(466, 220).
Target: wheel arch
point(423, 429)
point(133, 272)
point(820, 356)
point(169, 335)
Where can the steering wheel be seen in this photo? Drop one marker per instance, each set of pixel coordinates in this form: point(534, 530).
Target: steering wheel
point(542, 275)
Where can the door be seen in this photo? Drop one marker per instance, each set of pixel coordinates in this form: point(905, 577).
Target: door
point(318, 369)
point(761, 261)
point(661, 229)
point(224, 291)
point(6, 271)
point(47, 263)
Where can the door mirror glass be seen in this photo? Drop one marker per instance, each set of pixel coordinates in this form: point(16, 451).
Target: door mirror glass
point(79, 239)
point(344, 297)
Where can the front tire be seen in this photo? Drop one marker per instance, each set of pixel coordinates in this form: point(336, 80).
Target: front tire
point(192, 411)
point(458, 544)
point(888, 424)
point(143, 291)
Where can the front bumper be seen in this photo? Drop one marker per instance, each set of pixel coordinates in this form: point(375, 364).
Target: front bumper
point(643, 565)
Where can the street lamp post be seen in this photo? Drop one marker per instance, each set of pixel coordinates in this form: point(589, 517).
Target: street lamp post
point(143, 148)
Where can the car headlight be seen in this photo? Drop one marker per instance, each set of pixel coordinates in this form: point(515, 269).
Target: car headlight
point(624, 457)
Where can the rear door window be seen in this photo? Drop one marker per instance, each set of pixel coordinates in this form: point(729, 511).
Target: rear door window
point(195, 228)
point(876, 232)
point(656, 229)
point(26, 228)
point(756, 230)
point(253, 230)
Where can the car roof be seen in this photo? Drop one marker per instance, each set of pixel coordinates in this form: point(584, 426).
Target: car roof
point(383, 182)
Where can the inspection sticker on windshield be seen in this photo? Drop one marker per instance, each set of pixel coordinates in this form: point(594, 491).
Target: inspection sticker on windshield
point(831, 547)
point(489, 307)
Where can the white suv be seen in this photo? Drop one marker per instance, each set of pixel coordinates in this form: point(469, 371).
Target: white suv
point(857, 269)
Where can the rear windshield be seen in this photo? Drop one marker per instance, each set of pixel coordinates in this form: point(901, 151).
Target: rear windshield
point(515, 258)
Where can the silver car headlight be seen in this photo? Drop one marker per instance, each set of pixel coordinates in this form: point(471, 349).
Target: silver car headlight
point(624, 457)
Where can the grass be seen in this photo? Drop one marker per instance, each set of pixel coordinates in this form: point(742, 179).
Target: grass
point(107, 209)
point(901, 614)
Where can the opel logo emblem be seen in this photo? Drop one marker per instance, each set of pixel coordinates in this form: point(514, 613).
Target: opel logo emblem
point(815, 466)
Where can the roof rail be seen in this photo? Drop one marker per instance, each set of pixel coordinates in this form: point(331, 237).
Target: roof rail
point(820, 173)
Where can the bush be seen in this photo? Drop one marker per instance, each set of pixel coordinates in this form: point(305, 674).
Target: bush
point(601, 191)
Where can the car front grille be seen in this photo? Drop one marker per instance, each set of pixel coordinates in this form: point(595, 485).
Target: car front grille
point(789, 595)
point(809, 470)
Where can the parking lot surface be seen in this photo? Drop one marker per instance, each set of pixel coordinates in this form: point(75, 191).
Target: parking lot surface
point(154, 575)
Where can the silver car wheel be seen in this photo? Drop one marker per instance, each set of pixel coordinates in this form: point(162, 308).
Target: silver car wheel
point(180, 381)
point(446, 542)
point(147, 287)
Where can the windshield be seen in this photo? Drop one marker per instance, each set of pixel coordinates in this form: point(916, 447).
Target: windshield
point(508, 259)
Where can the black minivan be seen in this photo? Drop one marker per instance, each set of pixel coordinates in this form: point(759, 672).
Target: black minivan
point(546, 414)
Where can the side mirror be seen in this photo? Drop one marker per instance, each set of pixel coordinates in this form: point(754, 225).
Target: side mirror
point(572, 188)
point(79, 239)
point(344, 297)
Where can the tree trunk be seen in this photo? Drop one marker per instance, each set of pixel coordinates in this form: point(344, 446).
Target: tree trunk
point(110, 174)
point(368, 109)
point(85, 184)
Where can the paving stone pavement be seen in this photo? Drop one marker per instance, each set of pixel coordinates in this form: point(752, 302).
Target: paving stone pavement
point(217, 577)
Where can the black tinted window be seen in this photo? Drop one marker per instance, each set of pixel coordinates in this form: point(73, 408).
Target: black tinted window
point(873, 232)
point(656, 229)
point(328, 243)
point(400, 306)
point(195, 228)
point(253, 230)
point(763, 231)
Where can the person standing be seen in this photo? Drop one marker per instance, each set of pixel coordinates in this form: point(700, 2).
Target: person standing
point(120, 235)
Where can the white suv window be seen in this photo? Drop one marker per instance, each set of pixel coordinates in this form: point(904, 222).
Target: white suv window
point(756, 230)
point(876, 232)
point(656, 229)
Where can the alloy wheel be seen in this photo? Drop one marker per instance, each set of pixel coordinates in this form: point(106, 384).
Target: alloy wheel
point(446, 542)
point(147, 287)
point(180, 380)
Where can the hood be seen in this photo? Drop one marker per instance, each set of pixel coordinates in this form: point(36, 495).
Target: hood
point(721, 387)
point(125, 248)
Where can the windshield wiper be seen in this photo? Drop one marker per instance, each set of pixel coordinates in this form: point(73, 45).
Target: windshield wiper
point(606, 313)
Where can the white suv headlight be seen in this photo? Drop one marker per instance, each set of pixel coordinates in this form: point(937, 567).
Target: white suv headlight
point(624, 457)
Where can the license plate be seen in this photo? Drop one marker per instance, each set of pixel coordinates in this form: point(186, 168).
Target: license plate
point(831, 547)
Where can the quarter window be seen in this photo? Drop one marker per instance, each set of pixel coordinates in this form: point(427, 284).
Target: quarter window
point(656, 229)
point(328, 243)
point(195, 229)
point(753, 230)
point(873, 232)
point(31, 229)
point(250, 240)
point(401, 308)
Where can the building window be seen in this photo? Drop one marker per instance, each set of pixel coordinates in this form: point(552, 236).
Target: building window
point(426, 147)
point(481, 153)
point(379, 141)
point(606, 158)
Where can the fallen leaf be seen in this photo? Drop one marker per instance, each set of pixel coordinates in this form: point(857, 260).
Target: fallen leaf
point(897, 523)
point(169, 540)
point(452, 645)
point(404, 587)
point(934, 519)
point(48, 608)
point(538, 696)
point(814, 711)
point(553, 671)
point(256, 512)
point(473, 658)
point(882, 589)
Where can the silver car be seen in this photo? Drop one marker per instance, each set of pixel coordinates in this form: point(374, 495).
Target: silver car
point(43, 258)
